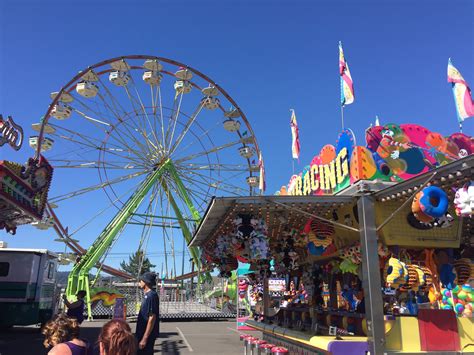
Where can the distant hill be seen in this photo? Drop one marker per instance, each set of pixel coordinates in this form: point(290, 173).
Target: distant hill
point(62, 278)
point(103, 280)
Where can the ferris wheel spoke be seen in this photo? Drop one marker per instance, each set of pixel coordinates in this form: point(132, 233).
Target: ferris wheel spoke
point(83, 153)
point(201, 185)
point(204, 181)
point(107, 208)
point(142, 106)
point(72, 140)
point(121, 137)
point(197, 138)
point(217, 183)
point(153, 114)
point(185, 129)
point(174, 119)
point(214, 167)
point(143, 245)
point(124, 132)
point(127, 159)
point(93, 142)
point(92, 164)
point(182, 198)
point(179, 200)
point(140, 126)
point(161, 118)
point(91, 114)
point(96, 187)
point(169, 233)
point(156, 122)
point(199, 199)
point(120, 114)
point(207, 152)
point(161, 193)
point(112, 104)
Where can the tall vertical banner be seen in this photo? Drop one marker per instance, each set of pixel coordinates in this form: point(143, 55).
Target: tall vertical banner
point(462, 94)
point(261, 184)
point(347, 86)
point(295, 142)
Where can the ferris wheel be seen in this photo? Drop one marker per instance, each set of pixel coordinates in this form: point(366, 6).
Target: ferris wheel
point(159, 138)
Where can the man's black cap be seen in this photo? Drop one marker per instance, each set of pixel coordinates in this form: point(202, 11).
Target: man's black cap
point(149, 278)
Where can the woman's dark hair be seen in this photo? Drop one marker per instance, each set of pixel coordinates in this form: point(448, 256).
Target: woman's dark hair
point(60, 329)
point(117, 338)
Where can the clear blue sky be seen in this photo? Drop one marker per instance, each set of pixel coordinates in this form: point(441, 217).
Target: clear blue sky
point(269, 55)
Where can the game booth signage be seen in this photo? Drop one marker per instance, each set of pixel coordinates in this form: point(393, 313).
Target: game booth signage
point(373, 244)
point(393, 153)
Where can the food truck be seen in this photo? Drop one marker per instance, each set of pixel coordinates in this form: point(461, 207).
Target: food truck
point(28, 293)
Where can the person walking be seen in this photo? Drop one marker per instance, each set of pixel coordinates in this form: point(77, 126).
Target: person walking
point(116, 338)
point(76, 309)
point(148, 323)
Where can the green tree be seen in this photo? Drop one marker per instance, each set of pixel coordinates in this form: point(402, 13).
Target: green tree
point(133, 265)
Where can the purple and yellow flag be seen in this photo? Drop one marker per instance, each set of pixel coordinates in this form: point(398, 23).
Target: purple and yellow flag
point(347, 86)
point(461, 92)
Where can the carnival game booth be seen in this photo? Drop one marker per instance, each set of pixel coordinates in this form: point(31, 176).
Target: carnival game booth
point(379, 262)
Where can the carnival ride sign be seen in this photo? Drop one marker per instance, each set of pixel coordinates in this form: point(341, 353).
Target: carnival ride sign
point(392, 153)
point(10, 133)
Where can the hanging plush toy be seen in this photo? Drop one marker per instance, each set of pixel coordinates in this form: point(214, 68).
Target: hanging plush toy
point(395, 273)
point(244, 228)
point(464, 200)
point(463, 270)
point(445, 221)
point(223, 246)
point(302, 295)
point(243, 286)
point(382, 250)
point(447, 276)
point(352, 253)
point(347, 266)
point(292, 291)
point(430, 203)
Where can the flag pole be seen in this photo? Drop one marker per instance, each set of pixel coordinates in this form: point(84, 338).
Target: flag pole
point(342, 116)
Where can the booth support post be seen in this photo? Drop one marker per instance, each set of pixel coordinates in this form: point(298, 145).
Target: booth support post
point(371, 275)
point(266, 299)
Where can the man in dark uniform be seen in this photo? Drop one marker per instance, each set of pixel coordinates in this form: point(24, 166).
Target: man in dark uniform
point(148, 326)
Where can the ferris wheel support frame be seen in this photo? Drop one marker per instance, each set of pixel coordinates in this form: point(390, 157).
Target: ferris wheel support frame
point(78, 279)
point(195, 255)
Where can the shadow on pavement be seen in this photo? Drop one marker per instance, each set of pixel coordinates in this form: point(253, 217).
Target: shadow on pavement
point(169, 343)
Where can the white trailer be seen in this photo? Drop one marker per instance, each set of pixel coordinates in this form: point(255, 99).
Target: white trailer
point(28, 293)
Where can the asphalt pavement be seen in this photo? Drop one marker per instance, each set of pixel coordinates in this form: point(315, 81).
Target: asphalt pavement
point(198, 337)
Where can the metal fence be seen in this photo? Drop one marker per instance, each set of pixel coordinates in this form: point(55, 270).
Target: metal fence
point(176, 301)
